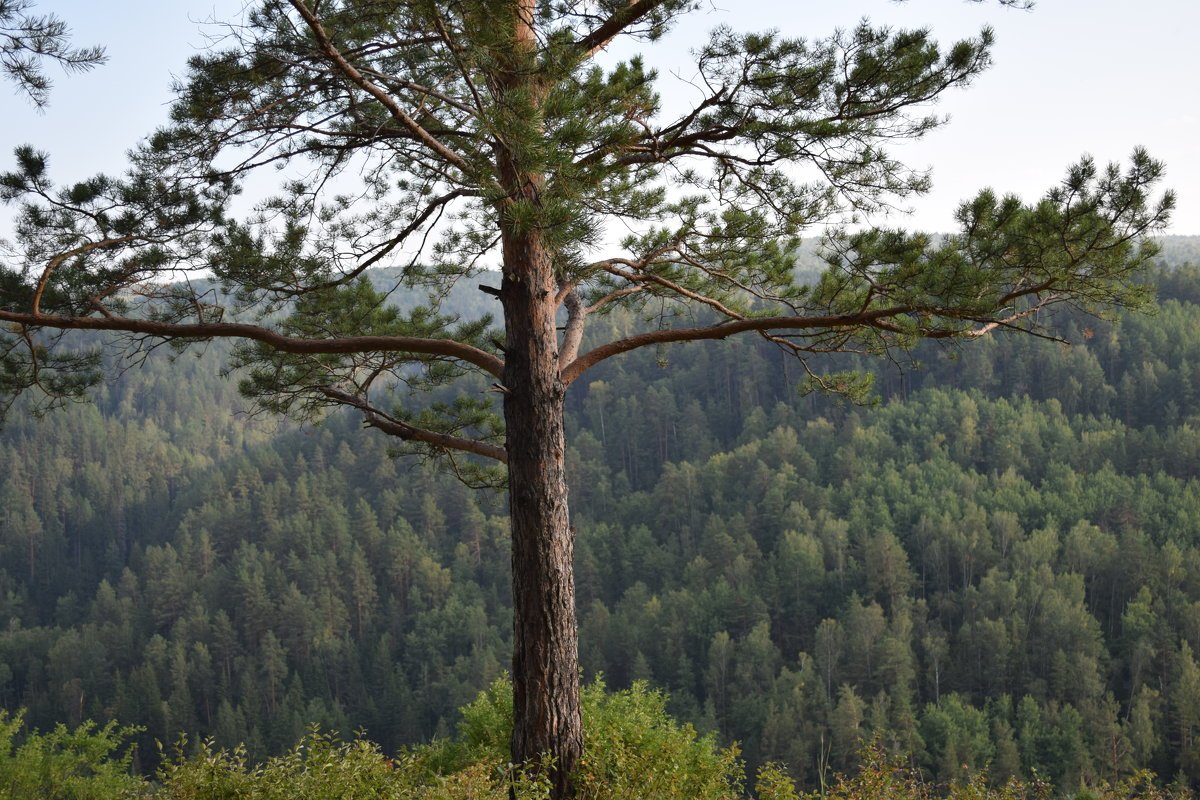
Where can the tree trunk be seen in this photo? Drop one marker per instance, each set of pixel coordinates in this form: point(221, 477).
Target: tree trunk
point(545, 669)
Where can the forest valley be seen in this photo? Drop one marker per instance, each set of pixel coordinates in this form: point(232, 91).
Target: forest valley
point(994, 568)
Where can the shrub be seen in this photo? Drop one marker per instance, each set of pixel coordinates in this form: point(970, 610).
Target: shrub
point(87, 763)
point(883, 777)
point(632, 748)
point(319, 767)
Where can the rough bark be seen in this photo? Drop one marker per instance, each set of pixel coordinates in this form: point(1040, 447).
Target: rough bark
point(546, 710)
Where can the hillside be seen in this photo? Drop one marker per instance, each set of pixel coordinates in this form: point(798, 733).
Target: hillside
point(997, 564)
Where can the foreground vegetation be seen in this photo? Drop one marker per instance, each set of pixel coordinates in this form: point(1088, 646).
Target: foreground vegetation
point(634, 751)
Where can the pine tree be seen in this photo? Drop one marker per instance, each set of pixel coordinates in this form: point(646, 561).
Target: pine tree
point(488, 129)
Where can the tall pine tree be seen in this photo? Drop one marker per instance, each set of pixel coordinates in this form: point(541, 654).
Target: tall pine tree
point(436, 138)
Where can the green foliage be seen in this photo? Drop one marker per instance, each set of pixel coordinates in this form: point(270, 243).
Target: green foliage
point(318, 767)
point(556, 148)
point(773, 783)
point(632, 746)
point(884, 777)
point(634, 750)
point(28, 41)
point(90, 762)
point(459, 133)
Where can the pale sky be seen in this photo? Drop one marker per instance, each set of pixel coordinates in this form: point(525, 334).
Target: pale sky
point(1070, 77)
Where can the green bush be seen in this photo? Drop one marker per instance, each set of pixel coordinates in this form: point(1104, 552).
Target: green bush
point(86, 763)
point(319, 767)
point(884, 777)
point(632, 748)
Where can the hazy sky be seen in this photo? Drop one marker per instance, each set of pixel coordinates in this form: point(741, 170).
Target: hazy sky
point(1070, 77)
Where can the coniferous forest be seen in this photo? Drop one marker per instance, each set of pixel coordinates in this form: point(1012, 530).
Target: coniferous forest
point(994, 565)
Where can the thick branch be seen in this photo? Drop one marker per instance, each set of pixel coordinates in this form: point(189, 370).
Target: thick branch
point(599, 38)
point(881, 319)
point(402, 430)
point(286, 344)
point(872, 319)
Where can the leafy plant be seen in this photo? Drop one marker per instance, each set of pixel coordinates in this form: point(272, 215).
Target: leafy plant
point(632, 747)
point(89, 762)
point(889, 777)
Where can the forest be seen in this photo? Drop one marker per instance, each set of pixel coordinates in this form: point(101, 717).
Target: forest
point(992, 565)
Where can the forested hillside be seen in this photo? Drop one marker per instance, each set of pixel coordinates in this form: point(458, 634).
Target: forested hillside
point(997, 564)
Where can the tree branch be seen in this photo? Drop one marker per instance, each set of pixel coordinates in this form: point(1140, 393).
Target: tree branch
point(57, 261)
point(26, 41)
point(402, 430)
point(386, 100)
point(433, 206)
point(599, 38)
point(615, 295)
point(874, 319)
point(286, 344)
point(672, 286)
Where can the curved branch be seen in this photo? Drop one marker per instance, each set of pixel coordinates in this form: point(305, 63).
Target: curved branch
point(869, 319)
point(286, 344)
point(435, 205)
point(402, 430)
point(615, 295)
point(599, 38)
point(57, 261)
point(682, 291)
